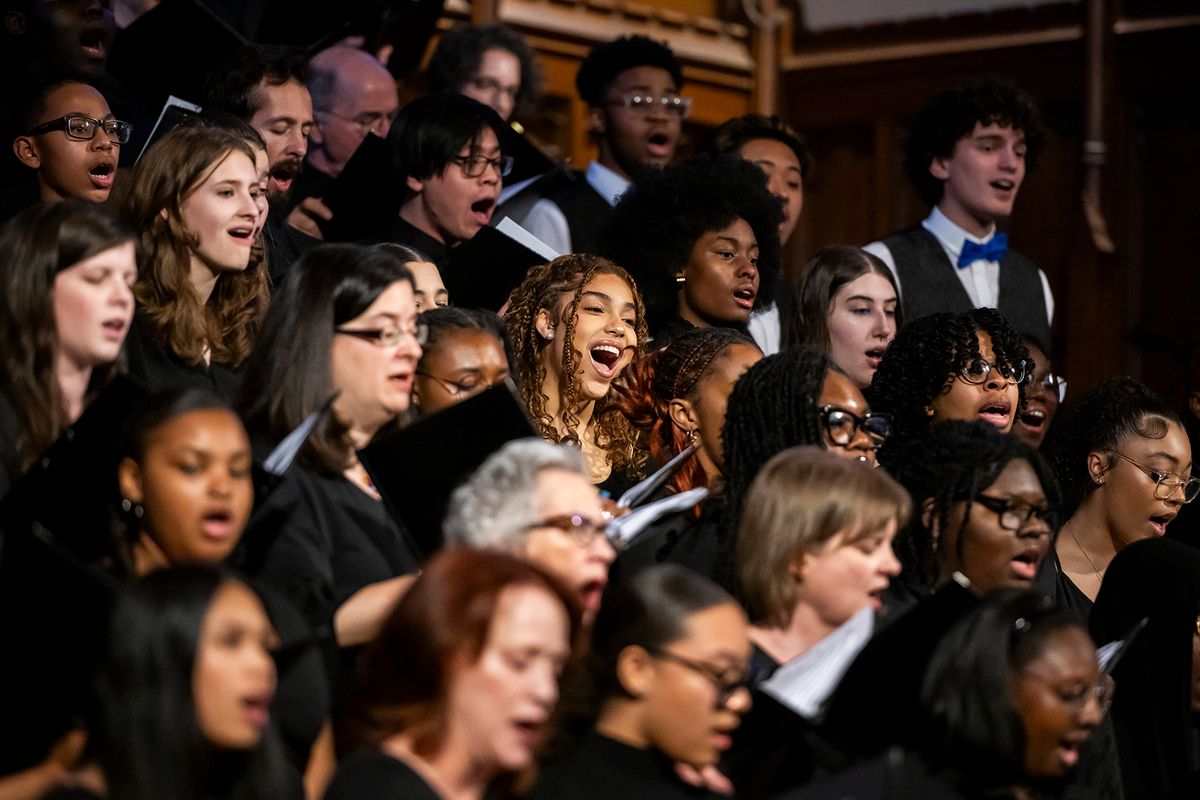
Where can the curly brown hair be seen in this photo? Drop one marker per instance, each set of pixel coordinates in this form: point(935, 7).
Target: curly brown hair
point(542, 289)
point(170, 310)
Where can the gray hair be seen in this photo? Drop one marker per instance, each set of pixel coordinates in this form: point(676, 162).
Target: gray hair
point(495, 505)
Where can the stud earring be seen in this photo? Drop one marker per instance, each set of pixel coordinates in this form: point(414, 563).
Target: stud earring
point(548, 335)
point(692, 436)
point(132, 508)
point(680, 278)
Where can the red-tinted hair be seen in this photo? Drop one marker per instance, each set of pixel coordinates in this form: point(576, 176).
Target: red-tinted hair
point(443, 621)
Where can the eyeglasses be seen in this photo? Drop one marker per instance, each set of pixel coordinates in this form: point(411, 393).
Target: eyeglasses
point(493, 86)
point(726, 685)
point(1014, 516)
point(1166, 483)
point(583, 530)
point(84, 129)
point(978, 370)
point(474, 166)
point(841, 425)
point(473, 385)
point(645, 103)
point(1055, 385)
point(388, 337)
point(1076, 698)
point(368, 122)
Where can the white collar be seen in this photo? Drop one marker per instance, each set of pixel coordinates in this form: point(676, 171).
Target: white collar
point(607, 183)
point(949, 234)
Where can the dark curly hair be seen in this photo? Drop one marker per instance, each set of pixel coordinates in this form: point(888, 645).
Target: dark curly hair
point(658, 221)
point(460, 52)
point(654, 380)
point(729, 138)
point(925, 357)
point(542, 289)
point(953, 112)
point(606, 61)
point(232, 87)
point(951, 462)
point(1103, 416)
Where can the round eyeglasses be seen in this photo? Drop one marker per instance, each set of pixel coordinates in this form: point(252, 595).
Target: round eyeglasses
point(726, 682)
point(83, 129)
point(672, 104)
point(1166, 483)
point(583, 530)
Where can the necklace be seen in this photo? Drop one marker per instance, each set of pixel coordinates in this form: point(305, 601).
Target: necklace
point(1092, 564)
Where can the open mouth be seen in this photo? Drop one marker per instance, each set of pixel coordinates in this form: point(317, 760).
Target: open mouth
point(217, 524)
point(744, 296)
point(659, 143)
point(482, 209)
point(1025, 565)
point(1160, 521)
point(1003, 185)
point(1068, 752)
point(258, 710)
point(997, 413)
point(876, 596)
point(604, 359)
point(94, 42)
point(114, 329)
point(102, 175)
point(875, 356)
point(591, 593)
point(283, 174)
point(243, 234)
point(1033, 419)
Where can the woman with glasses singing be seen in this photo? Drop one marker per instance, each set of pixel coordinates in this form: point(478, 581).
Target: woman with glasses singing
point(464, 354)
point(987, 510)
point(663, 687)
point(1156, 711)
point(1125, 464)
point(1044, 393)
point(1009, 705)
point(533, 499)
point(198, 200)
point(952, 366)
point(345, 324)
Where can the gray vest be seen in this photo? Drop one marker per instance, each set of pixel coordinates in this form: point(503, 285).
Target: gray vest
point(929, 285)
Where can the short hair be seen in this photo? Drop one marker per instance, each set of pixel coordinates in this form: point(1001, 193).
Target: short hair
point(459, 55)
point(441, 624)
point(953, 112)
point(30, 103)
point(606, 61)
point(927, 354)
point(223, 120)
point(951, 463)
point(800, 500)
point(805, 306)
point(495, 506)
point(429, 133)
point(732, 135)
point(658, 221)
point(441, 322)
point(971, 722)
point(542, 289)
point(289, 375)
point(36, 245)
point(675, 371)
point(154, 745)
point(233, 86)
point(1105, 414)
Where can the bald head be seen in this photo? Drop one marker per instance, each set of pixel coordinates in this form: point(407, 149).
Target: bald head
point(353, 94)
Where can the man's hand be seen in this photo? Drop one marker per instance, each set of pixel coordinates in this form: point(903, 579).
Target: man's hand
point(304, 217)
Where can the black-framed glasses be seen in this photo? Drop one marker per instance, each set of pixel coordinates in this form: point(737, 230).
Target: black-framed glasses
point(83, 129)
point(842, 425)
point(726, 684)
point(474, 166)
point(388, 337)
point(977, 372)
point(472, 386)
point(1015, 515)
point(580, 528)
point(674, 104)
point(375, 122)
point(1055, 385)
point(1166, 483)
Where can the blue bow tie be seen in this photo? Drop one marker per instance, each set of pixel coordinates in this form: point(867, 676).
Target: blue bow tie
point(993, 250)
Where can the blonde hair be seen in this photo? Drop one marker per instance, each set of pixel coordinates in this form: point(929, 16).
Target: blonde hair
point(170, 310)
point(802, 499)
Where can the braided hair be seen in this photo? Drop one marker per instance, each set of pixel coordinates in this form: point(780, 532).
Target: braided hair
point(543, 288)
point(950, 463)
point(656, 379)
point(925, 357)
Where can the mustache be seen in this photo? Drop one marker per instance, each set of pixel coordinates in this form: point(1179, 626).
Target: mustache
point(285, 170)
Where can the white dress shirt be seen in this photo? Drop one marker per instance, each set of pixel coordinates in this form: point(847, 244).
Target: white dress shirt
point(547, 221)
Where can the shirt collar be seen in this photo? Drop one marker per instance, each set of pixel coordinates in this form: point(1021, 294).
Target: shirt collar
point(950, 235)
point(607, 183)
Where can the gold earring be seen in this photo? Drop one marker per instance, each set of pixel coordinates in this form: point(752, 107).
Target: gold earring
point(680, 278)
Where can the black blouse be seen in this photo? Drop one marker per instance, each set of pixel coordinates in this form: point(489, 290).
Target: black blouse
point(372, 775)
point(600, 768)
point(161, 370)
